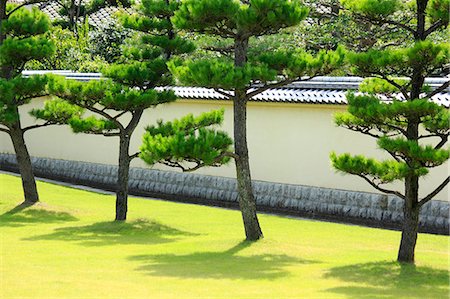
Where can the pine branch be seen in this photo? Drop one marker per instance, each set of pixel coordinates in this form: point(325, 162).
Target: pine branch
point(6, 130)
point(438, 90)
point(105, 115)
point(376, 186)
point(173, 164)
point(47, 123)
point(216, 162)
point(134, 121)
point(443, 141)
point(135, 155)
point(120, 114)
point(433, 27)
point(393, 83)
point(106, 134)
point(275, 85)
point(381, 21)
point(365, 131)
point(434, 193)
point(222, 50)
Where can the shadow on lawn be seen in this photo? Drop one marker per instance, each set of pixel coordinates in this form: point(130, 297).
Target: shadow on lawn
point(218, 265)
point(26, 213)
point(140, 231)
point(391, 280)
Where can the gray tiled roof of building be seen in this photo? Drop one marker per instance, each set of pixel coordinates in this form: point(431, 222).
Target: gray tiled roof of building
point(319, 90)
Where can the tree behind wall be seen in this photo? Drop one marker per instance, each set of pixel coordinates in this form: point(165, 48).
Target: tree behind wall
point(21, 40)
point(407, 128)
point(240, 74)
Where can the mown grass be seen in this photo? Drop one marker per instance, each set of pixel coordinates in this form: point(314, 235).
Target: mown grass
point(68, 247)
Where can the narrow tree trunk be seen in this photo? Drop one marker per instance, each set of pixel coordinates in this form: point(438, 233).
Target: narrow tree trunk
point(122, 179)
point(2, 18)
point(247, 201)
point(24, 163)
point(410, 221)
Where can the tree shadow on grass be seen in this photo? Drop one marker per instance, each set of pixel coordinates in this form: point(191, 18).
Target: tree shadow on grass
point(26, 213)
point(391, 280)
point(140, 231)
point(218, 265)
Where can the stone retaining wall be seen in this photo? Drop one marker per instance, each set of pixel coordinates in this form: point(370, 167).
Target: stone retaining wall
point(340, 205)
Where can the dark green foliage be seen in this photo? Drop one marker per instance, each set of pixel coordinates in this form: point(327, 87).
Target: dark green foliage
point(381, 172)
point(438, 11)
point(57, 111)
point(106, 42)
point(22, 39)
point(109, 95)
point(239, 71)
point(220, 73)
point(26, 23)
point(190, 139)
point(407, 125)
point(225, 18)
point(25, 40)
point(134, 86)
point(72, 52)
point(231, 19)
point(401, 61)
point(154, 22)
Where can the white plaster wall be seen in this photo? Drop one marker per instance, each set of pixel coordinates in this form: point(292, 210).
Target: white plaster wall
point(288, 143)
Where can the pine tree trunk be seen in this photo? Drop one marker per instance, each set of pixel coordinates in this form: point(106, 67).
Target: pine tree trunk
point(122, 179)
point(2, 18)
point(410, 208)
point(409, 235)
point(24, 163)
point(247, 201)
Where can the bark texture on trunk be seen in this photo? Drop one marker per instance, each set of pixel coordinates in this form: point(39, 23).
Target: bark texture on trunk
point(247, 201)
point(124, 166)
point(122, 179)
point(24, 163)
point(410, 223)
point(411, 207)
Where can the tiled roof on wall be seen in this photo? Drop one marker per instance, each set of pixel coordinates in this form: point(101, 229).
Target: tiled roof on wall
point(319, 90)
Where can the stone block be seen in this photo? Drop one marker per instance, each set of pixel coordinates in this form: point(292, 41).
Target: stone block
point(444, 211)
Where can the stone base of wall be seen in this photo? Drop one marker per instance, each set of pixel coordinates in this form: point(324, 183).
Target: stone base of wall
point(312, 202)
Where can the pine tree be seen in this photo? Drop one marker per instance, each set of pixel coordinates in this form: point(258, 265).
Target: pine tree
point(21, 40)
point(133, 87)
point(405, 128)
point(240, 73)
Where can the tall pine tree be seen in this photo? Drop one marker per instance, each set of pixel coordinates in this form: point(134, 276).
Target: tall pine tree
point(22, 38)
point(133, 87)
point(408, 123)
point(241, 73)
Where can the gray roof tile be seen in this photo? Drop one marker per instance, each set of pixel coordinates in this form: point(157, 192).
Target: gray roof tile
point(317, 91)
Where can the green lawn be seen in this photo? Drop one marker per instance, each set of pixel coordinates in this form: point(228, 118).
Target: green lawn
point(67, 247)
